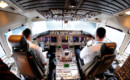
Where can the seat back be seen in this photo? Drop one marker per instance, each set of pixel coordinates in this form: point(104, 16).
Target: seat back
point(25, 59)
point(103, 61)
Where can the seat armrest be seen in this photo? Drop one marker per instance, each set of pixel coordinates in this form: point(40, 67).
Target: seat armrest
point(80, 65)
point(87, 66)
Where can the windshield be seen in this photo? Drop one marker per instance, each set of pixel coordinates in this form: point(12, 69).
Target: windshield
point(42, 26)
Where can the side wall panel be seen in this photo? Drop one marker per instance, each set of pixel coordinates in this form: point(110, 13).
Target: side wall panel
point(9, 21)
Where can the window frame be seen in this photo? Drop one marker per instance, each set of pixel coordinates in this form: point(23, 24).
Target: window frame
point(114, 28)
point(7, 41)
point(108, 40)
point(3, 50)
point(126, 48)
point(122, 41)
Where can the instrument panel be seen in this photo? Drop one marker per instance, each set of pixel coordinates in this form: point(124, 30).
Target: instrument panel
point(60, 38)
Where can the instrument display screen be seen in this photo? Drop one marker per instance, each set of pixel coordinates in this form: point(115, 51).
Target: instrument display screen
point(75, 39)
point(53, 39)
point(65, 47)
point(64, 39)
point(82, 39)
point(46, 39)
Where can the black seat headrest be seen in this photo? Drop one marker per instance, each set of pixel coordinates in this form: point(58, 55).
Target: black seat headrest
point(18, 41)
point(107, 48)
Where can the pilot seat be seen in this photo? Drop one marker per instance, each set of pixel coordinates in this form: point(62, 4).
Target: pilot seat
point(102, 62)
point(27, 62)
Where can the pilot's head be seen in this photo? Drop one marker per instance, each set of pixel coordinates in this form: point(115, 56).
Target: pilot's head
point(27, 33)
point(100, 34)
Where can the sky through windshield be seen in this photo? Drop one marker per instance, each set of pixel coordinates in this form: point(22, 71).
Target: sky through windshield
point(42, 26)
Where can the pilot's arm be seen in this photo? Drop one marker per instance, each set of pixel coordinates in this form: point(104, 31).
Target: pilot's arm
point(86, 54)
point(83, 52)
point(42, 56)
point(39, 53)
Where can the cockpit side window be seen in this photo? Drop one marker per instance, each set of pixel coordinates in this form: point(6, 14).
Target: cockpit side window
point(16, 31)
point(2, 52)
point(113, 35)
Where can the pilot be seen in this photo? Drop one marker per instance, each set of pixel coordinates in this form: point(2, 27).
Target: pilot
point(42, 57)
point(88, 54)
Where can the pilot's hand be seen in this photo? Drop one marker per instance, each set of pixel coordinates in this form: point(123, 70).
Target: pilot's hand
point(89, 43)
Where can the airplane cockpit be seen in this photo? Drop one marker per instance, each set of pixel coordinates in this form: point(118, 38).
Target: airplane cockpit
point(60, 31)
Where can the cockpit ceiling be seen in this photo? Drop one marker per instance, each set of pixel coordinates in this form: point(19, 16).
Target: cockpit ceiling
point(73, 9)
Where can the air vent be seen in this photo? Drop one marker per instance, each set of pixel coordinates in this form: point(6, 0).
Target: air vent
point(12, 8)
point(37, 17)
point(128, 31)
point(121, 14)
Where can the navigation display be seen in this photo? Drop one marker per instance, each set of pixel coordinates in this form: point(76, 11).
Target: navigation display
point(65, 47)
point(64, 39)
point(75, 39)
point(53, 39)
point(81, 39)
point(46, 39)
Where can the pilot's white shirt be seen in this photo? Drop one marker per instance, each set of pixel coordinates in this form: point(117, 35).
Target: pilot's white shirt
point(88, 53)
point(39, 52)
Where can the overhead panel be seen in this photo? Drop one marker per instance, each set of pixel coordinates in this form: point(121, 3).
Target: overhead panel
point(73, 9)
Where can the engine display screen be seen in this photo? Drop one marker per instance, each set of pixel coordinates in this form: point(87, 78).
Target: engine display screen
point(64, 39)
point(75, 39)
point(53, 39)
point(46, 39)
point(65, 47)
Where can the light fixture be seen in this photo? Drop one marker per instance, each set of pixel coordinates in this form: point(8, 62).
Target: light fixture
point(3, 4)
point(73, 3)
point(128, 12)
point(128, 31)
